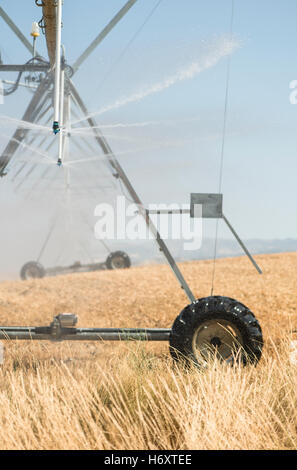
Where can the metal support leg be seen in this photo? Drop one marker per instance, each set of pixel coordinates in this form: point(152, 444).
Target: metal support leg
point(242, 245)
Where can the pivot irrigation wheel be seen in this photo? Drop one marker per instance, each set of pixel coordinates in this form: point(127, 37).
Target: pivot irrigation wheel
point(216, 327)
point(32, 270)
point(118, 260)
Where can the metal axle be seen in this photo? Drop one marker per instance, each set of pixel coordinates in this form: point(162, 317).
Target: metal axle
point(62, 329)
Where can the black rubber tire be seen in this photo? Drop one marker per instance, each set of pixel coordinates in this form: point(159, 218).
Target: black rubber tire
point(187, 325)
point(122, 256)
point(39, 270)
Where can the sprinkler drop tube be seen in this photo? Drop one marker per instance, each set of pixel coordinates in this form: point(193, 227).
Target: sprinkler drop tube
point(56, 126)
point(61, 135)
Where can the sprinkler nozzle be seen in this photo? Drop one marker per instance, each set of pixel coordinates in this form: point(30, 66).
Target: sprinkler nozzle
point(56, 127)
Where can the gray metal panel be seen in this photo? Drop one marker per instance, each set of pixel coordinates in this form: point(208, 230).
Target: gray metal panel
point(212, 205)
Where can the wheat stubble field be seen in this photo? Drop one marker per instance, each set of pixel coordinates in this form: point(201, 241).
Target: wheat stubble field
point(131, 395)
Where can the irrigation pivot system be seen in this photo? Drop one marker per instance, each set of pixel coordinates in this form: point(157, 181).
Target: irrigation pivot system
point(209, 326)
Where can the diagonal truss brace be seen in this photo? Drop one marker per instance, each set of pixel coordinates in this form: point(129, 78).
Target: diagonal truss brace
point(29, 116)
point(103, 34)
point(17, 31)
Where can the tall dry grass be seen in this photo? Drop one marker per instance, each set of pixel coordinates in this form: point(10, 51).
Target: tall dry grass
point(138, 399)
point(131, 396)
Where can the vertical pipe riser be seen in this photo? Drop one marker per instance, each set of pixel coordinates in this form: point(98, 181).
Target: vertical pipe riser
point(61, 135)
point(57, 67)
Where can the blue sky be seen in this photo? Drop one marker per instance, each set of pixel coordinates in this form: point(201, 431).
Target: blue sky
point(260, 165)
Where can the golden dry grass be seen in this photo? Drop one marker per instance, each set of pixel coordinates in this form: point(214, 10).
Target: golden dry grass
point(130, 395)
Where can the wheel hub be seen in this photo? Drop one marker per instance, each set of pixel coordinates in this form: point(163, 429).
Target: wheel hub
point(215, 342)
point(32, 273)
point(216, 338)
point(118, 262)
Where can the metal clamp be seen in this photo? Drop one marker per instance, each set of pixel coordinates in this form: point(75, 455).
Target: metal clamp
point(60, 322)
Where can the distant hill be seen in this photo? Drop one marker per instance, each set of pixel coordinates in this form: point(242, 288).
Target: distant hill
point(146, 252)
